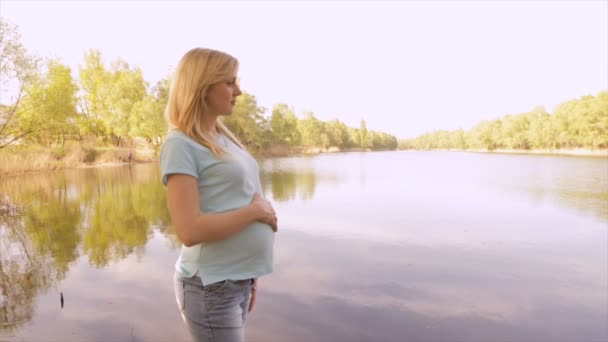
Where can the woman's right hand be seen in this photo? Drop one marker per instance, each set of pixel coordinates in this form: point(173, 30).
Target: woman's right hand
point(264, 211)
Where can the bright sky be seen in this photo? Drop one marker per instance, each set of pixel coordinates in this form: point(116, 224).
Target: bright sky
point(407, 67)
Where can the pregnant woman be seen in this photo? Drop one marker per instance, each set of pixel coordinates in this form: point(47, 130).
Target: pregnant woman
point(215, 200)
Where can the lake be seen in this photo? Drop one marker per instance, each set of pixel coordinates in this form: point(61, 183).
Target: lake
point(376, 246)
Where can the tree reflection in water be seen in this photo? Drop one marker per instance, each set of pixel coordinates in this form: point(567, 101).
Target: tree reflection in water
point(103, 214)
point(23, 274)
point(106, 215)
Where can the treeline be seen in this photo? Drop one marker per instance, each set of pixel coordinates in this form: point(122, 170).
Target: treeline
point(575, 124)
point(114, 105)
point(284, 129)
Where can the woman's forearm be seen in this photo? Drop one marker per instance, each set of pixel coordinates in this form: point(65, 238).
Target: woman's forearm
point(193, 226)
point(217, 226)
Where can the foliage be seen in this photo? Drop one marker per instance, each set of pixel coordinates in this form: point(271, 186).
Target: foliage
point(113, 104)
point(17, 70)
point(579, 123)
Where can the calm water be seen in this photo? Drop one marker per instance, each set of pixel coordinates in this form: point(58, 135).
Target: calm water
point(383, 246)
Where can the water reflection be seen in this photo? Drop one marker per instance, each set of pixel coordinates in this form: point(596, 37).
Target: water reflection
point(293, 178)
point(37, 248)
point(22, 275)
point(355, 290)
point(574, 183)
point(284, 185)
point(579, 184)
point(372, 246)
point(53, 230)
point(110, 212)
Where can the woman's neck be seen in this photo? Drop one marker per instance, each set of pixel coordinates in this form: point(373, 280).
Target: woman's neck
point(210, 126)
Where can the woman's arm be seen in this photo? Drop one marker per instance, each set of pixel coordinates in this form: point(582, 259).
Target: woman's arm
point(194, 227)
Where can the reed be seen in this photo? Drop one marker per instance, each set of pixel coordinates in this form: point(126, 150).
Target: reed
point(15, 160)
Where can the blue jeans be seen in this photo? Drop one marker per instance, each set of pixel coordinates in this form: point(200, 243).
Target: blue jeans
point(216, 312)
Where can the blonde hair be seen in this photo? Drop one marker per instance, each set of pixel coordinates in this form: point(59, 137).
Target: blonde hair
point(196, 72)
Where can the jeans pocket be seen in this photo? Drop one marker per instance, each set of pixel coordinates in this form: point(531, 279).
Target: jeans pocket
point(215, 293)
point(227, 306)
point(217, 288)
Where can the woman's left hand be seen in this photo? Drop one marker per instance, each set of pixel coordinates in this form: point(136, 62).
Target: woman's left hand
point(254, 289)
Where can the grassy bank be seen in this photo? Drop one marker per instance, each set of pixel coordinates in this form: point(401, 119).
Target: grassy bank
point(15, 160)
point(277, 150)
point(572, 152)
point(581, 152)
point(557, 152)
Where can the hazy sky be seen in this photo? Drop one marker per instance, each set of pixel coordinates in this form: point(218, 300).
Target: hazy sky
point(405, 67)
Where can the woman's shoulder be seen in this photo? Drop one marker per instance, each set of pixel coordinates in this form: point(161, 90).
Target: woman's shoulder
point(179, 139)
point(177, 135)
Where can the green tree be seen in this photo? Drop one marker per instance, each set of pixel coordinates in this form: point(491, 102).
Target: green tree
point(541, 133)
point(94, 83)
point(566, 123)
point(49, 107)
point(578, 123)
point(458, 140)
point(127, 88)
point(147, 118)
point(487, 134)
point(282, 125)
point(592, 113)
point(248, 123)
point(363, 135)
point(17, 69)
point(389, 141)
point(374, 140)
point(338, 133)
point(110, 95)
point(515, 130)
point(353, 137)
point(294, 138)
point(310, 130)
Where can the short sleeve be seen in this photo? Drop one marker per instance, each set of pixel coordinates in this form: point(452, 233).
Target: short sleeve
point(177, 157)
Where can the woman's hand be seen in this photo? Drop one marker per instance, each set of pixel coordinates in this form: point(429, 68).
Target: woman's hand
point(265, 212)
point(254, 289)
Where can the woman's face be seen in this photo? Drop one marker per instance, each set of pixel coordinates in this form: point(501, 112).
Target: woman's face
point(221, 97)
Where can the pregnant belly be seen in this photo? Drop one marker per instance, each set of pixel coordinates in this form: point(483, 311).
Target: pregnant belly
point(258, 238)
point(253, 244)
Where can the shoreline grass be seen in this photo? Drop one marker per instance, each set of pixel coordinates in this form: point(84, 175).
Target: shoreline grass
point(19, 160)
point(579, 152)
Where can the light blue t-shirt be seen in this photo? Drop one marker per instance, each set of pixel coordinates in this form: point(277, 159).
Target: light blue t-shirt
point(223, 185)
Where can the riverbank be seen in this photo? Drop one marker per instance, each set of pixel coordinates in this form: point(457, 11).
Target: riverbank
point(573, 152)
point(19, 160)
point(579, 152)
point(282, 151)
